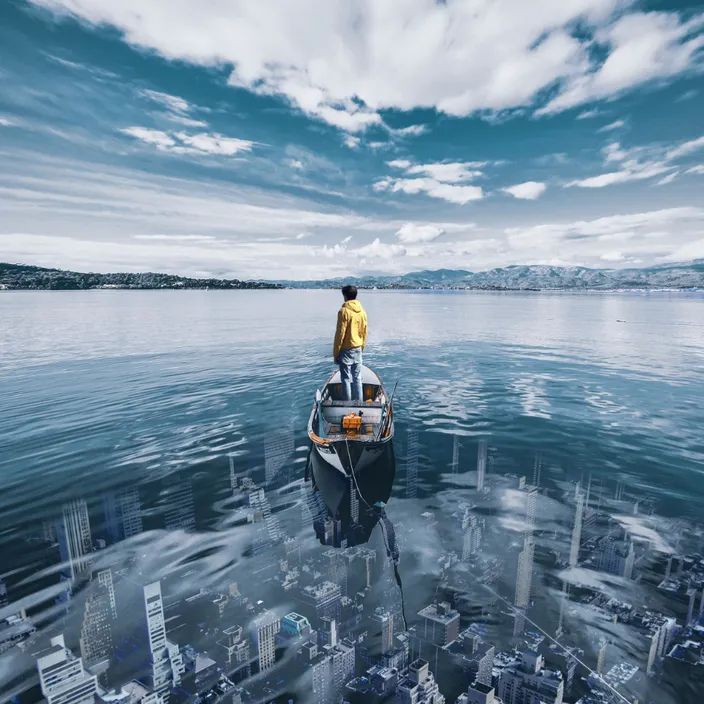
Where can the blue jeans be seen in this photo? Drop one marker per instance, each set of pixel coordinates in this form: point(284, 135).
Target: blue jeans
point(351, 374)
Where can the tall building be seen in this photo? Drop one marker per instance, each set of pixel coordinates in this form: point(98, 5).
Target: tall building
point(472, 537)
point(479, 693)
point(526, 681)
point(615, 557)
point(455, 454)
point(123, 514)
point(524, 581)
point(278, 448)
point(354, 502)
point(412, 464)
point(441, 623)
point(261, 511)
point(481, 464)
point(324, 599)
point(99, 617)
point(266, 627)
point(577, 528)
point(62, 678)
point(75, 541)
point(418, 686)
point(180, 509)
point(4, 601)
point(235, 653)
point(384, 621)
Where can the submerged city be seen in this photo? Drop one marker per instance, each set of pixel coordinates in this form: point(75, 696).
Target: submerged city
point(324, 620)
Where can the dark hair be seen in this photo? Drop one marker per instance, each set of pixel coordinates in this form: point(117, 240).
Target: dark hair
point(349, 292)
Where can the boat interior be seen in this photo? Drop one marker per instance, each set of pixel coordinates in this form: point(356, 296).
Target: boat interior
point(334, 412)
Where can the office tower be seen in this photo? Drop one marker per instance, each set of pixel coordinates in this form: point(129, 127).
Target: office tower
point(563, 600)
point(123, 514)
point(692, 594)
point(180, 509)
point(412, 464)
point(524, 582)
point(354, 502)
point(342, 658)
point(526, 680)
point(601, 657)
point(481, 464)
point(323, 599)
point(383, 620)
point(441, 623)
point(261, 511)
point(577, 528)
point(479, 693)
point(337, 570)
point(74, 538)
point(368, 556)
point(455, 454)
point(418, 686)
point(99, 620)
point(62, 678)
point(537, 468)
point(4, 601)
point(615, 557)
point(49, 531)
point(278, 448)
point(472, 537)
point(328, 632)
point(234, 653)
point(619, 491)
point(266, 627)
point(233, 476)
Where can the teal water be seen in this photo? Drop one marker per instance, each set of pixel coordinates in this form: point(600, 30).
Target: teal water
point(104, 391)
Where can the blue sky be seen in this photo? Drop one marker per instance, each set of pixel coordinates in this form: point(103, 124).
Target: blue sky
point(315, 138)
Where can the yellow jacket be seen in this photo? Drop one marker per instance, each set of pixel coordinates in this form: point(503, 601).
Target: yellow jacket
point(351, 327)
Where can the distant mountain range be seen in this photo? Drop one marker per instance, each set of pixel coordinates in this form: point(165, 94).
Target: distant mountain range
point(524, 278)
point(676, 276)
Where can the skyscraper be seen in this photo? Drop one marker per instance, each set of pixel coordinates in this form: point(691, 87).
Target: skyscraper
point(481, 464)
point(354, 502)
point(527, 681)
point(577, 527)
point(123, 514)
point(74, 538)
point(180, 509)
point(418, 686)
point(385, 623)
point(524, 578)
point(472, 537)
point(62, 678)
point(99, 620)
point(455, 454)
point(442, 623)
point(266, 627)
point(412, 464)
point(278, 448)
point(4, 601)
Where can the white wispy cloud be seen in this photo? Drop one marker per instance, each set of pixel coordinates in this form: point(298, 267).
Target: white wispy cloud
point(184, 143)
point(668, 179)
point(172, 102)
point(530, 190)
point(698, 169)
point(410, 131)
point(6, 122)
point(588, 114)
point(685, 149)
point(615, 125)
point(354, 62)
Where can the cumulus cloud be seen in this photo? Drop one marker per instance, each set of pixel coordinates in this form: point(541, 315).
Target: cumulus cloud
point(379, 249)
point(351, 141)
point(356, 60)
point(183, 143)
point(530, 190)
point(438, 180)
point(432, 188)
point(335, 250)
point(411, 233)
point(613, 257)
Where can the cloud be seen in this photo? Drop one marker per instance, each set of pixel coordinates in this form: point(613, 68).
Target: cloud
point(641, 47)
point(378, 249)
point(530, 190)
point(617, 124)
point(686, 148)
point(636, 164)
point(587, 114)
point(296, 164)
point(185, 121)
point(668, 179)
point(172, 102)
point(410, 131)
point(688, 95)
point(399, 164)
point(175, 238)
point(448, 173)
point(431, 187)
point(698, 169)
point(411, 233)
point(335, 250)
point(358, 60)
point(5, 122)
point(183, 143)
point(687, 252)
point(351, 141)
point(613, 257)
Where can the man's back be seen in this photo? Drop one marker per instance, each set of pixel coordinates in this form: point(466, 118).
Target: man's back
point(350, 339)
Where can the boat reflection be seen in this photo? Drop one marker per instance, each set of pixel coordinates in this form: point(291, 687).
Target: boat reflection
point(345, 508)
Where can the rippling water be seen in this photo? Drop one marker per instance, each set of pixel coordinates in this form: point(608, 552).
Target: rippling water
point(598, 396)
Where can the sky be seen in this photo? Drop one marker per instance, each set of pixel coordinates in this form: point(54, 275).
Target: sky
point(305, 139)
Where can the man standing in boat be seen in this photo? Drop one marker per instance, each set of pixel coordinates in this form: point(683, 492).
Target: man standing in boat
point(350, 338)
